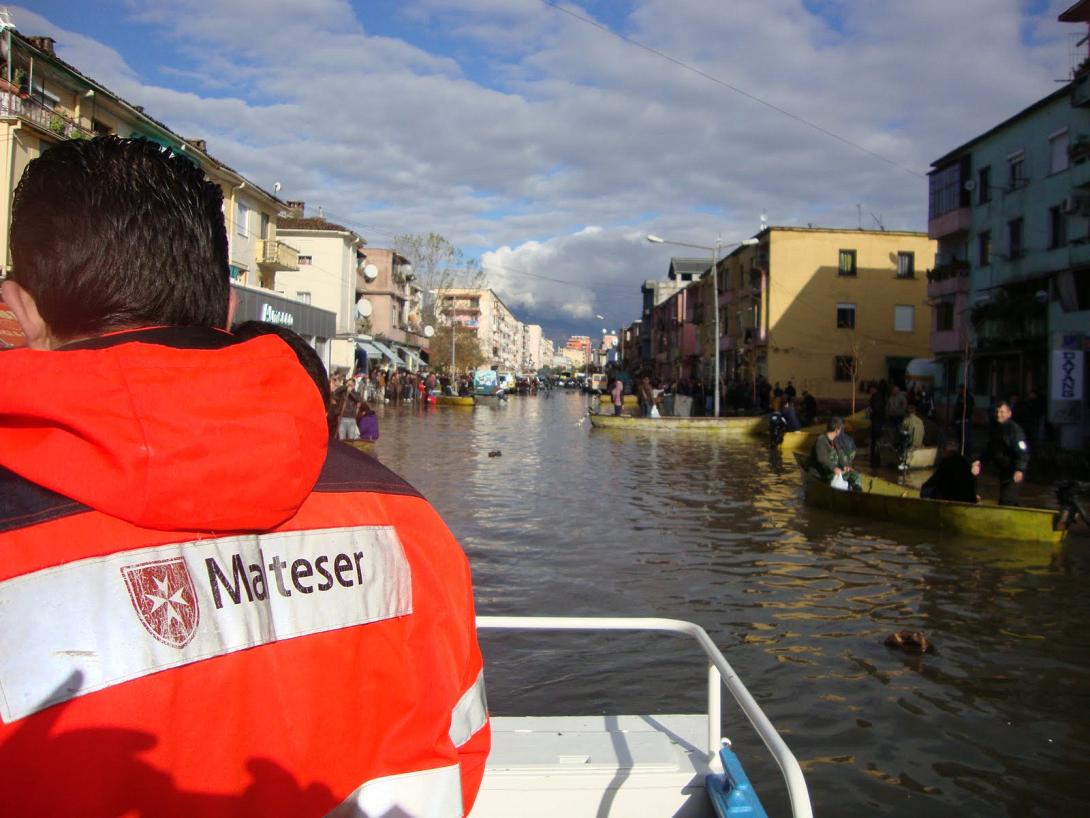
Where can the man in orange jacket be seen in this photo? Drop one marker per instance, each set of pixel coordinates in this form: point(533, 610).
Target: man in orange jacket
point(208, 608)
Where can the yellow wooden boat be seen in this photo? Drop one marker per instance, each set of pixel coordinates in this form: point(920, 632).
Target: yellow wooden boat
point(705, 425)
point(883, 500)
point(454, 400)
point(921, 458)
point(801, 440)
point(629, 400)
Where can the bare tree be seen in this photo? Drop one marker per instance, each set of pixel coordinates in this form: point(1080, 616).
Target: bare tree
point(858, 347)
point(437, 265)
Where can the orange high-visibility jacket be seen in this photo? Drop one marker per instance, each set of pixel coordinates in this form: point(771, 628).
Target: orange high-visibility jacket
point(208, 610)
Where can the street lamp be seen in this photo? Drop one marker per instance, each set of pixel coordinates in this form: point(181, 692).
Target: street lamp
point(715, 288)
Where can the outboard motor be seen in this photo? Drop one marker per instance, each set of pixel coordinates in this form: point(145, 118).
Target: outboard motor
point(777, 425)
point(1073, 497)
point(903, 437)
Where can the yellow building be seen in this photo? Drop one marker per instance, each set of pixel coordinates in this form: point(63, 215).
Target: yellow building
point(824, 308)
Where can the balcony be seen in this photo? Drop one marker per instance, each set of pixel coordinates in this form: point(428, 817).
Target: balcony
point(949, 223)
point(947, 279)
point(33, 111)
point(947, 341)
point(277, 256)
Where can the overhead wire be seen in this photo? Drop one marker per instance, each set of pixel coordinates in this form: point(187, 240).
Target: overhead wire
point(729, 86)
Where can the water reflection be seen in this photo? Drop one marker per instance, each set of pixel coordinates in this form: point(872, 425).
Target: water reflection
point(569, 520)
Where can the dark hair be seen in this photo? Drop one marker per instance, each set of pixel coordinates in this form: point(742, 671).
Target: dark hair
point(110, 234)
point(308, 358)
point(835, 424)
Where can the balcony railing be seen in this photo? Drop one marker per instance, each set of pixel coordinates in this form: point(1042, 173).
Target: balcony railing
point(275, 255)
point(32, 110)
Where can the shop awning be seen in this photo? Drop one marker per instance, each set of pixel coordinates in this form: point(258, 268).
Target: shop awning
point(411, 356)
point(386, 352)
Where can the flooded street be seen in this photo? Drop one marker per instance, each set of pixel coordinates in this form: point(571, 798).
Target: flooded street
point(570, 521)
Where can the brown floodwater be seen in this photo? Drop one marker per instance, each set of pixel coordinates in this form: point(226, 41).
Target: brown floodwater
point(567, 520)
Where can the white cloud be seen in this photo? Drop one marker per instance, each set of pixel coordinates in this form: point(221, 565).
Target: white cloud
point(515, 126)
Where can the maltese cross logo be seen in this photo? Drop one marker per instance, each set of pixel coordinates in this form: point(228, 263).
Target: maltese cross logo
point(163, 595)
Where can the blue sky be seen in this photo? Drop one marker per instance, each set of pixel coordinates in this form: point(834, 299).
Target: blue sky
point(549, 147)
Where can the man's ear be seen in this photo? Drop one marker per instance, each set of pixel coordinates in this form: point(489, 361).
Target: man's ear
point(24, 307)
point(232, 305)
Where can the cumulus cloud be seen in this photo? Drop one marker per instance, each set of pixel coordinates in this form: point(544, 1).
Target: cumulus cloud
point(512, 127)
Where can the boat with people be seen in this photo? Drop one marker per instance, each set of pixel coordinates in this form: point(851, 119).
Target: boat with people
point(885, 500)
point(666, 764)
point(749, 425)
point(629, 400)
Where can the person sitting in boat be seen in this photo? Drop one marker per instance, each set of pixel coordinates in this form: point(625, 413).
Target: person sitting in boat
point(953, 477)
point(912, 432)
point(367, 422)
point(828, 461)
point(790, 416)
point(846, 451)
point(1006, 448)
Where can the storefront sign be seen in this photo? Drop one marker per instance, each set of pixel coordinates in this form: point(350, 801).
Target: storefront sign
point(1068, 369)
point(270, 314)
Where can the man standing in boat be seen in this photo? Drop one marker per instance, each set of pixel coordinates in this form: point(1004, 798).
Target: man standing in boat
point(617, 392)
point(1007, 448)
point(911, 436)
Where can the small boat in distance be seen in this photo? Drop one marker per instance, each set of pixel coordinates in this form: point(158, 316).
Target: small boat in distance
point(884, 500)
point(454, 400)
point(716, 426)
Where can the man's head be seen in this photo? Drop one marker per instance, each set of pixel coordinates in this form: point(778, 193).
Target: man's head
point(111, 234)
point(1002, 411)
point(911, 409)
point(834, 427)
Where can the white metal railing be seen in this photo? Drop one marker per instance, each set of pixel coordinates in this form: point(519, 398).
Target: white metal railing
point(719, 672)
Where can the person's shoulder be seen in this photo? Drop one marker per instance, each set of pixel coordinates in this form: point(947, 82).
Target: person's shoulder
point(347, 469)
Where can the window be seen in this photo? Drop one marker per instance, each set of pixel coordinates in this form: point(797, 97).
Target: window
point(264, 226)
point(984, 248)
point(242, 218)
point(847, 263)
point(303, 296)
point(1057, 227)
point(1057, 152)
point(904, 318)
point(944, 316)
point(1016, 170)
point(906, 265)
point(1014, 238)
point(984, 185)
point(843, 365)
point(304, 260)
point(845, 316)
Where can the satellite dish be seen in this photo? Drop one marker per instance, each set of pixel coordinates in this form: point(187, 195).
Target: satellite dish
point(970, 185)
point(406, 269)
point(429, 331)
point(363, 308)
point(276, 187)
point(370, 272)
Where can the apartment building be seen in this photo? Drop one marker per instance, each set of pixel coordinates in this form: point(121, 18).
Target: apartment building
point(821, 307)
point(330, 275)
point(499, 333)
point(391, 302)
point(1010, 289)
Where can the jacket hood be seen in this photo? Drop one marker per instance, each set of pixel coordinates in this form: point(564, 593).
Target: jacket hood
point(169, 428)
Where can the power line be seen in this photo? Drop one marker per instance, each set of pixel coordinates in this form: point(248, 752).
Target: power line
point(740, 91)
